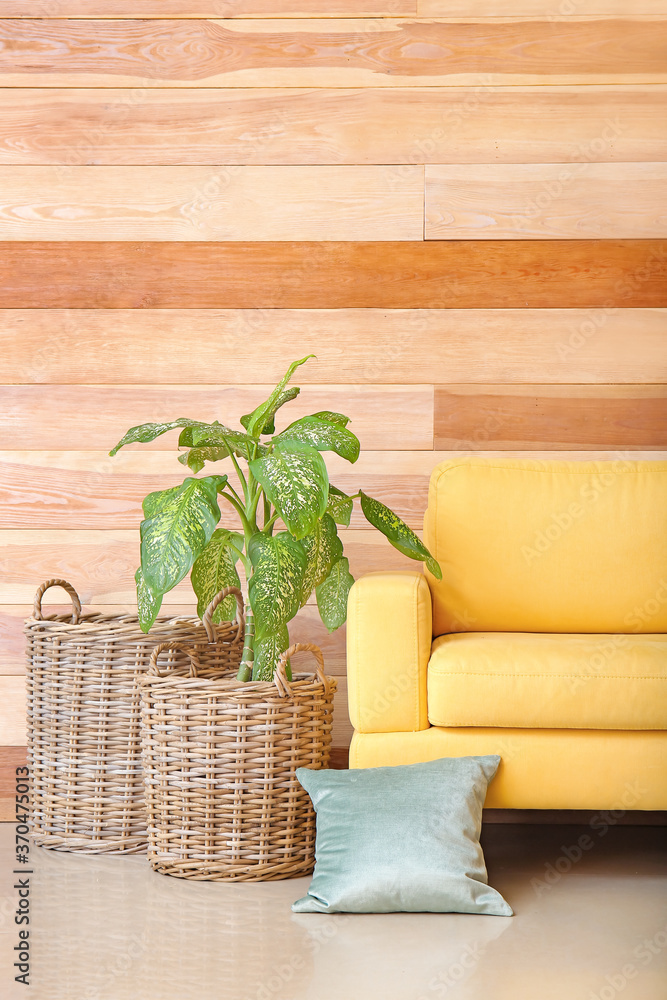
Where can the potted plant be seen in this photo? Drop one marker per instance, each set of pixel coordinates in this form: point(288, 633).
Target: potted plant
point(281, 482)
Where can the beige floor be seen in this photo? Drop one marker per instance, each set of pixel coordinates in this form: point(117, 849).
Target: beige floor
point(107, 928)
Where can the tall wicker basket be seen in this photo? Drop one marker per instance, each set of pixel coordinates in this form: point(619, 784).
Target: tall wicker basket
point(84, 718)
point(220, 757)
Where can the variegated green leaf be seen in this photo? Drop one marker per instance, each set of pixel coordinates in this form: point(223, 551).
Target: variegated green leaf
point(263, 415)
point(295, 480)
point(323, 436)
point(144, 433)
point(267, 654)
point(196, 458)
point(332, 417)
point(269, 423)
point(216, 435)
point(148, 604)
point(339, 505)
point(323, 548)
point(214, 570)
point(332, 595)
point(274, 588)
point(179, 524)
point(399, 534)
point(198, 433)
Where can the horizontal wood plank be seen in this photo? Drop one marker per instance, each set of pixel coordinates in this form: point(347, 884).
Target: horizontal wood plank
point(384, 417)
point(526, 8)
point(220, 8)
point(333, 53)
point(210, 203)
point(102, 564)
point(11, 758)
point(12, 710)
point(319, 8)
point(566, 416)
point(12, 642)
point(352, 346)
point(339, 758)
point(90, 490)
point(546, 201)
point(432, 275)
point(406, 127)
point(87, 490)
point(342, 727)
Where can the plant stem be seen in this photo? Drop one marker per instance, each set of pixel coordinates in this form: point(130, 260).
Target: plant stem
point(268, 527)
point(228, 486)
point(239, 510)
point(247, 565)
point(252, 511)
point(239, 471)
point(248, 654)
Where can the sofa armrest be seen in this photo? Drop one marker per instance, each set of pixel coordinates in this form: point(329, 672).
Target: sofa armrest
point(389, 636)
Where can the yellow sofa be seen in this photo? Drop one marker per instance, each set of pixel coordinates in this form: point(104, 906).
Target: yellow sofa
point(545, 641)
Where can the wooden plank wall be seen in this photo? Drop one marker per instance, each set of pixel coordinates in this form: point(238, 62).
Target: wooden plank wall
point(458, 207)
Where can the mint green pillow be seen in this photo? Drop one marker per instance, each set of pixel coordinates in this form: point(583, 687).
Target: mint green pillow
point(401, 839)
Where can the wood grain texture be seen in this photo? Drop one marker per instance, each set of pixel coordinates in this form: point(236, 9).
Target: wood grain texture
point(339, 758)
point(12, 642)
point(210, 203)
point(533, 8)
point(564, 416)
point(10, 759)
point(12, 710)
point(102, 564)
point(342, 727)
point(406, 127)
point(546, 201)
point(383, 417)
point(84, 489)
point(421, 275)
point(216, 8)
point(319, 8)
point(335, 53)
point(352, 346)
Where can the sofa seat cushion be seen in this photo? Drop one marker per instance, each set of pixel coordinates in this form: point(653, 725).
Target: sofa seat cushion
point(555, 681)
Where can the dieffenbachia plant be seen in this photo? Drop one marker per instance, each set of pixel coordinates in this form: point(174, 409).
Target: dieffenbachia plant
point(279, 476)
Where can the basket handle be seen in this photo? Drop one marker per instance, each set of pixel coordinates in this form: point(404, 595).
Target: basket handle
point(76, 603)
point(174, 645)
point(207, 620)
point(280, 675)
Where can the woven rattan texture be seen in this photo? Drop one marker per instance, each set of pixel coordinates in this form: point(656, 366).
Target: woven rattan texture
point(84, 722)
point(220, 758)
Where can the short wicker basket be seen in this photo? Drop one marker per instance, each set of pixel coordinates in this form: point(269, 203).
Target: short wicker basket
point(220, 757)
point(84, 718)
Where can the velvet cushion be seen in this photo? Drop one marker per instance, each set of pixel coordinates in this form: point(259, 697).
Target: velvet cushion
point(401, 839)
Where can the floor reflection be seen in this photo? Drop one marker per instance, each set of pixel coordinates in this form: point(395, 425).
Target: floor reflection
point(108, 928)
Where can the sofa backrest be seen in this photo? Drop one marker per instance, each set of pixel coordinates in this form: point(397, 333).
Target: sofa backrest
point(548, 546)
